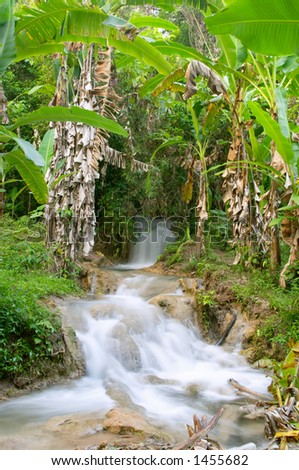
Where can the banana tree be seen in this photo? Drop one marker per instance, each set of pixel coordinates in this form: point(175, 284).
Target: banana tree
point(258, 24)
point(45, 28)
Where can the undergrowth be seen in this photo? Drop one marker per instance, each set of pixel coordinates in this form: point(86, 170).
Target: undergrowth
point(30, 334)
point(249, 286)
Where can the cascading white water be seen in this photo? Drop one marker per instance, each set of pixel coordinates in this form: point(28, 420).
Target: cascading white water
point(150, 244)
point(136, 356)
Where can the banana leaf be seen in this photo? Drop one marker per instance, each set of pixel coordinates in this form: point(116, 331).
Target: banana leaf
point(269, 27)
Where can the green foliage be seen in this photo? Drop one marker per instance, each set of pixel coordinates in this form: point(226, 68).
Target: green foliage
point(30, 334)
point(285, 378)
point(283, 325)
point(206, 298)
point(26, 331)
point(71, 114)
point(7, 28)
point(258, 24)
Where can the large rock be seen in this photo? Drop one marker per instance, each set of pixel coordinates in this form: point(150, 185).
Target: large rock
point(126, 350)
point(125, 421)
point(179, 307)
point(96, 280)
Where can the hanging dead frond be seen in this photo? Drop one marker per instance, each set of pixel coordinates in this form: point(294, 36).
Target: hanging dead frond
point(3, 106)
point(137, 165)
point(187, 189)
point(196, 69)
point(60, 98)
point(104, 90)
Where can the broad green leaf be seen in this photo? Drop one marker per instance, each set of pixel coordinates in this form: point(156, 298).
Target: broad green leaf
point(123, 61)
point(234, 54)
point(44, 49)
point(140, 22)
point(7, 36)
point(295, 198)
point(260, 150)
point(47, 88)
point(62, 21)
point(46, 148)
point(288, 208)
point(92, 23)
point(5, 134)
point(172, 141)
point(143, 51)
point(170, 5)
point(72, 114)
point(154, 22)
point(266, 26)
point(30, 173)
point(169, 80)
point(51, 21)
point(151, 84)
point(272, 129)
point(276, 221)
point(288, 64)
point(169, 48)
point(282, 111)
point(30, 152)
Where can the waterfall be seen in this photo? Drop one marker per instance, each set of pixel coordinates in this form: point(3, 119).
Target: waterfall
point(150, 242)
point(138, 356)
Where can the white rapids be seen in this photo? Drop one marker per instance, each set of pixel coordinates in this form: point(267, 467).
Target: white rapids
point(137, 356)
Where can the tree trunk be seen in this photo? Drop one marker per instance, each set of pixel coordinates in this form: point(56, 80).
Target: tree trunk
point(237, 192)
point(270, 211)
point(4, 120)
point(290, 235)
point(71, 177)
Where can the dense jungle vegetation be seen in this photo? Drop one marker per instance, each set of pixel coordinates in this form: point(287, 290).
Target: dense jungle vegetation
point(184, 110)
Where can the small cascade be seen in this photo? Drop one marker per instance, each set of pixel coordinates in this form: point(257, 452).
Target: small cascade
point(138, 356)
point(150, 244)
point(93, 284)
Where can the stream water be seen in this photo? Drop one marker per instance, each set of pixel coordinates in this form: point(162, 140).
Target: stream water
point(138, 357)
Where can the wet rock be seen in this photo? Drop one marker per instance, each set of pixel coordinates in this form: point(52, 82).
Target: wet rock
point(123, 421)
point(98, 281)
point(179, 307)
point(106, 282)
point(121, 395)
point(76, 425)
point(73, 359)
point(193, 390)
point(126, 350)
point(155, 380)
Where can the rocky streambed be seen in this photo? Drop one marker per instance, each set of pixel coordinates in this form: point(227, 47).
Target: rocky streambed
point(145, 369)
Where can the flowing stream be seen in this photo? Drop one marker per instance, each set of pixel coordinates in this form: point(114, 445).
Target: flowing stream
point(140, 358)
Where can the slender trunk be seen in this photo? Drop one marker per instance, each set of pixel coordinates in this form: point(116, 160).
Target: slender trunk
point(270, 211)
point(70, 213)
point(290, 235)
point(236, 187)
point(202, 213)
point(4, 120)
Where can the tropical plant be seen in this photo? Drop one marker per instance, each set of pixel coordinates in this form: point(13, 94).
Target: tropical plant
point(49, 25)
point(252, 206)
point(256, 24)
